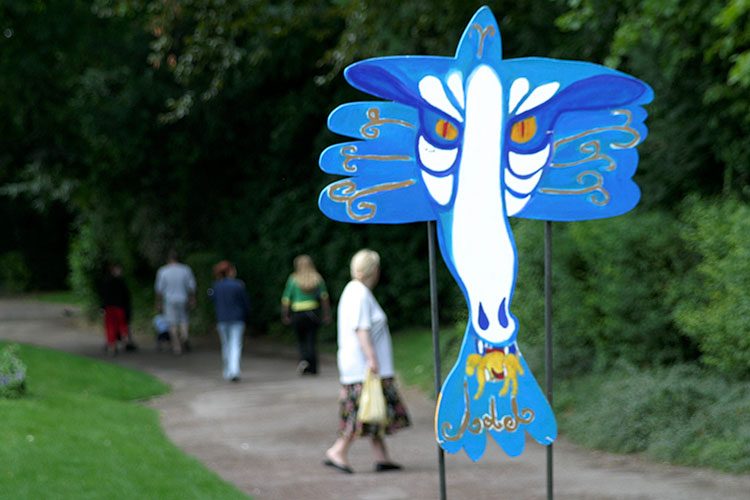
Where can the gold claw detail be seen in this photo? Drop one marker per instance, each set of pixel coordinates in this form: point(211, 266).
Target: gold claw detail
point(485, 367)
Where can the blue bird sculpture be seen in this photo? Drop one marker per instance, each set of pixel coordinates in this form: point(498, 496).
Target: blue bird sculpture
point(469, 141)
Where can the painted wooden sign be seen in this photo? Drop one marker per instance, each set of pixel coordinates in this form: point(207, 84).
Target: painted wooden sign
point(469, 141)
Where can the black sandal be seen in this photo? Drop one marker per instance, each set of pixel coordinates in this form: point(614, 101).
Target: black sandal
point(343, 468)
point(387, 466)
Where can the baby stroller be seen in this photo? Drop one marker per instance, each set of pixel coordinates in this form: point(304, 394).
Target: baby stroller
point(161, 325)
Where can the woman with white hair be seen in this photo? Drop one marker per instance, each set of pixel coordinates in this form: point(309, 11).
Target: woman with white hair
point(364, 342)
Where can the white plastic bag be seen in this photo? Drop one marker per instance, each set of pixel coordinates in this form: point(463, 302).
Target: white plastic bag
point(372, 401)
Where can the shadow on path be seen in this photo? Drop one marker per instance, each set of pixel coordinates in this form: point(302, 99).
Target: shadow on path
point(267, 433)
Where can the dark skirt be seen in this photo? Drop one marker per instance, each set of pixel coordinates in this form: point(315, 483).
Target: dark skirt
point(349, 406)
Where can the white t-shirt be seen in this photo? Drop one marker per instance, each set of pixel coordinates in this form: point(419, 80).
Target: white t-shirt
point(175, 282)
point(358, 310)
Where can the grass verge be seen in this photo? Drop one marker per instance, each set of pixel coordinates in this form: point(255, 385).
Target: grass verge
point(680, 414)
point(77, 434)
point(67, 297)
point(413, 355)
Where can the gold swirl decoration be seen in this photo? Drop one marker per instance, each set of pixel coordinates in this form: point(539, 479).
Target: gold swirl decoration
point(593, 148)
point(346, 192)
point(349, 154)
point(370, 129)
point(489, 421)
point(599, 195)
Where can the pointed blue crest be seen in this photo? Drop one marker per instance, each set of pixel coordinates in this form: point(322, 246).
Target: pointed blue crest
point(481, 40)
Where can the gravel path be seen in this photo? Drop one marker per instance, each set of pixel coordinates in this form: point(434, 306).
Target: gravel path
point(267, 434)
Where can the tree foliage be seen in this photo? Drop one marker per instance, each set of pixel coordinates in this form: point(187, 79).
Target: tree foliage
point(133, 126)
point(695, 54)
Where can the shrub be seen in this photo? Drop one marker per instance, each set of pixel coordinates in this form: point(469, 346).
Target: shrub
point(712, 304)
point(98, 241)
point(680, 414)
point(609, 291)
point(86, 262)
point(572, 349)
point(15, 275)
point(628, 263)
point(12, 373)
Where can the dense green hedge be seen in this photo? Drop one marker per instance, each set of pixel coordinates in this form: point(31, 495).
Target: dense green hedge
point(647, 288)
point(713, 298)
point(609, 280)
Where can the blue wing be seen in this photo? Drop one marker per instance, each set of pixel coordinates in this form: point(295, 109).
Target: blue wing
point(383, 184)
point(376, 200)
point(595, 121)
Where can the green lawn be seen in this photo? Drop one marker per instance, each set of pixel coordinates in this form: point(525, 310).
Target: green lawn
point(79, 433)
point(58, 297)
point(414, 358)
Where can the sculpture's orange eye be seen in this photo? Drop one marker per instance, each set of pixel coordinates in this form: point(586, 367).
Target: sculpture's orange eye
point(446, 130)
point(524, 130)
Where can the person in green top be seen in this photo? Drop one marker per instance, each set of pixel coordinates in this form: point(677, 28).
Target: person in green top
point(305, 305)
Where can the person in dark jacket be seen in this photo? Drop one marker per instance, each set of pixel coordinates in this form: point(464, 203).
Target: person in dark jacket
point(115, 302)
point(232, 311)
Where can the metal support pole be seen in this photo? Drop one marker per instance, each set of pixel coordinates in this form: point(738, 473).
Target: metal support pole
point(548, 339)
point(432, 258)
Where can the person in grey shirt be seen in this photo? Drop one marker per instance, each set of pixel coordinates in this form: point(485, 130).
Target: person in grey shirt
point(175, 293)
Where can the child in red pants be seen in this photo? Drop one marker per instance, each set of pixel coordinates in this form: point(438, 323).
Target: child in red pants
point(115, 301)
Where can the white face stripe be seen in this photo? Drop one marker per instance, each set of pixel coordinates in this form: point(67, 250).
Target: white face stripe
point(431, 89)
point(480, 240)
point(456, 86)
point(518, 89)
point(519, 185)
point(526, 164)
point(513, 205)
point(436, 159)
point(440, 188)
point(539, 95)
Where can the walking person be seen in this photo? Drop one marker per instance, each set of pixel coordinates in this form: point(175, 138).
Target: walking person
point(175, 293)
point(364, 342)
point(114, 298)
point(305, 305)
point(232, 312)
